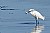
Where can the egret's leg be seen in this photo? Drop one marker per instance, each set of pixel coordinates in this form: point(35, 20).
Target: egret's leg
point(36, 21)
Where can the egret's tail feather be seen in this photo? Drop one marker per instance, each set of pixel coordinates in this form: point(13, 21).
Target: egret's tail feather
point(43, 17)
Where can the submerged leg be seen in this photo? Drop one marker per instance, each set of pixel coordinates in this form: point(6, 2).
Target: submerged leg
point(36, 26)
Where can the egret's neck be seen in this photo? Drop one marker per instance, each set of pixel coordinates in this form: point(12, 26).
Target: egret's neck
point(31, 12)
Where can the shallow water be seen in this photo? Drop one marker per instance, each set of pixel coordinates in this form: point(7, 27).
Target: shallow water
point(10, 20)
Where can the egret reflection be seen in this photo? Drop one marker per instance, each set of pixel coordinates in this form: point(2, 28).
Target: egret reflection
point(38, 29)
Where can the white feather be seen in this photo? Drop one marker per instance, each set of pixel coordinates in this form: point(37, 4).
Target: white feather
point(36, 14)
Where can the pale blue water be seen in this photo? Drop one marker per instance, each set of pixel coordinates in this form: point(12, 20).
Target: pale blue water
point(9, 23)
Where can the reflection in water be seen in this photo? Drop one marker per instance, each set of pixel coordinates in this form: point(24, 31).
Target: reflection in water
point(38, 29)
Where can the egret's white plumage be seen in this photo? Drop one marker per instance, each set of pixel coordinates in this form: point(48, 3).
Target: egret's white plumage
point(37, 14)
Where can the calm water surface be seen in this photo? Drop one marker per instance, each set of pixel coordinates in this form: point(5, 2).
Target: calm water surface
point(10, 20)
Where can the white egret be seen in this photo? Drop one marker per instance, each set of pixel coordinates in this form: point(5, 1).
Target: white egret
point(36, 14)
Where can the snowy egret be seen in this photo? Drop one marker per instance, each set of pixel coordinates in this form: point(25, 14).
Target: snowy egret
point(36, 14)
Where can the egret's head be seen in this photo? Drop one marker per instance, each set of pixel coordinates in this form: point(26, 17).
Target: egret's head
point(30, 10)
